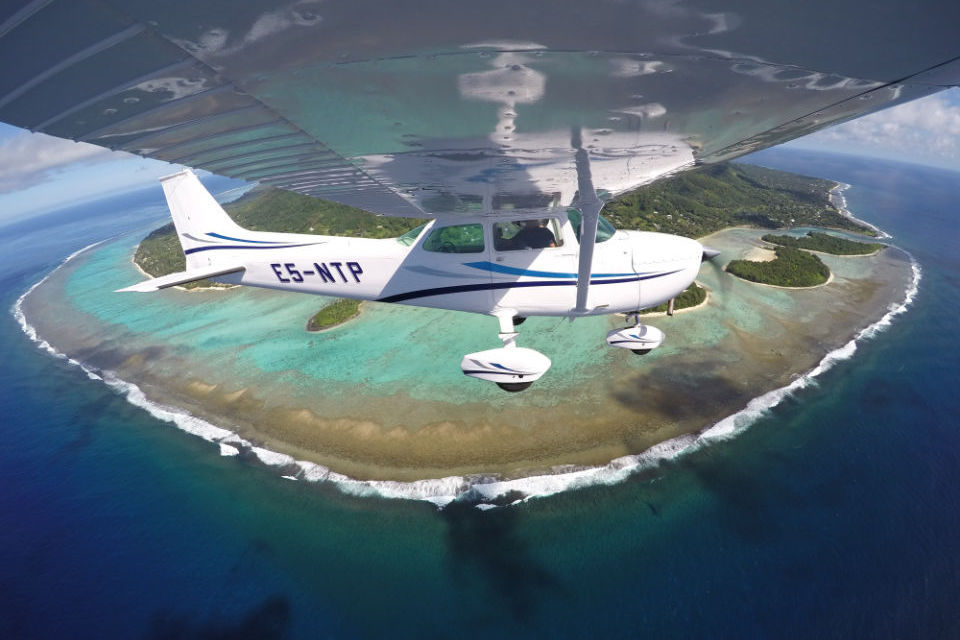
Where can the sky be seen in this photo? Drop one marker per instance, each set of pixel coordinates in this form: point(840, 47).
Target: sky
point(924, 131)
point(38, 172)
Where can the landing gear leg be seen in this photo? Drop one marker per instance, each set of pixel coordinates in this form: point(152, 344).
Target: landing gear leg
point(508, 332)
point(634, 320)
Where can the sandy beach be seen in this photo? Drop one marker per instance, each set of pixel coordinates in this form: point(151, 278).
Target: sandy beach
point(372, 417)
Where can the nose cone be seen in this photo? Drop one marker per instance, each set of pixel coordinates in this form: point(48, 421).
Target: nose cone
point(709, 254)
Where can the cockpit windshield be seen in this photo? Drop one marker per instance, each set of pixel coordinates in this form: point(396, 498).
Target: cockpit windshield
point(411, 236)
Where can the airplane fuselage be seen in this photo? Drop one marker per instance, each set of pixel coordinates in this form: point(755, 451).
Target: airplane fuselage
point(507, 264)
point(631, 270)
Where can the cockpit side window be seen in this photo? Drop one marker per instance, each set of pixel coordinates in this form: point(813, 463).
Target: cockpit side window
point(605, 230)
point(461, 238)
point(537, 233)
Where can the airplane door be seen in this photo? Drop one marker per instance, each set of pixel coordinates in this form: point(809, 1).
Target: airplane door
point(531, 265)
point(449, 268)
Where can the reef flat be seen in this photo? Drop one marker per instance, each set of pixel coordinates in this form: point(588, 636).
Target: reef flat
point(378, 404)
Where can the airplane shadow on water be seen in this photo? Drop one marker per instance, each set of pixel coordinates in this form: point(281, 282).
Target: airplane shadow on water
point(485, 546)
point(742, 506)
point(85, 429)
point(270, 620)
point(678, 391)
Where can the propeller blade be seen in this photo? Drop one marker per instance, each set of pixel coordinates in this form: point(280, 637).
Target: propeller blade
point(723, 284)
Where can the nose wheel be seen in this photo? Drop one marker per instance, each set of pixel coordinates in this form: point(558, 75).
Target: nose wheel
point(639, 338)
point(514, 387)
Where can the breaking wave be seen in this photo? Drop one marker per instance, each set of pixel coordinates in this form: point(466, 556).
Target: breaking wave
point(17, 311)
point(839, 200)
point(484, 491)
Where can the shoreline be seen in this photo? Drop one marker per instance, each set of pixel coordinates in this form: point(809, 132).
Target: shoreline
point(839, 255)
point(835, 255)
point(778, 286)
point(483, 490)
point(539, 479)
point(664, 314)
point(333, 326)
point(837, 192)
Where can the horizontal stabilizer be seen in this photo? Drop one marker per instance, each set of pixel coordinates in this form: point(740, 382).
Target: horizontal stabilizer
point(182, 277)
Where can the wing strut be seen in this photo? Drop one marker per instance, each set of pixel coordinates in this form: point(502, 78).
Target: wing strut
point(589, 206)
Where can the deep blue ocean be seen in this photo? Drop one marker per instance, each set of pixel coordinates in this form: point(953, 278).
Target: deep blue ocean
point(835, 516)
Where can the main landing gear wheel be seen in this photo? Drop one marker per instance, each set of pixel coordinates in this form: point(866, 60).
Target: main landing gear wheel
point(510, 367)
point(514, 387)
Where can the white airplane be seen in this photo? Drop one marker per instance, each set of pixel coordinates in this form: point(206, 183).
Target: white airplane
point(510, 266)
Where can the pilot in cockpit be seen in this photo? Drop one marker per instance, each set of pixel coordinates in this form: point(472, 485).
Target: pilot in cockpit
point(534, 235)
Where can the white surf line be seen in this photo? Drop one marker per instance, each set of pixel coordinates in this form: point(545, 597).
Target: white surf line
point(735, 423)
point(480, 489)
point(846, 213)
point(17, 311)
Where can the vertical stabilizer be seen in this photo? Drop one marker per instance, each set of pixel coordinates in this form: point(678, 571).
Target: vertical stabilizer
point(201, 222)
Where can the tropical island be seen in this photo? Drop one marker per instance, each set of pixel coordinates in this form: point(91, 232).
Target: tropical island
point(790, 268)
point(384, 399)
point(692, 296)
point(825, 243)
point(793, 266)
point(334, 314)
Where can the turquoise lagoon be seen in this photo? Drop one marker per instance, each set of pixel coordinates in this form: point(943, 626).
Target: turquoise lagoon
point(381, 397)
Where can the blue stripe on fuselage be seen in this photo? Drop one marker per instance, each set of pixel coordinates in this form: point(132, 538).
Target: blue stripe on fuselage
point(235, 246)
point(490, 286)
point(223, 237)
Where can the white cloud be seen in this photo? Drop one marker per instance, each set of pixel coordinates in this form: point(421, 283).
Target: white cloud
point(926, 128)
point(30, 159)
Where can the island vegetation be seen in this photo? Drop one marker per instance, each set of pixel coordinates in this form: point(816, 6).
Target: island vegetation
point(826, 243)
point(335, 313)
point(791, 268)
point(691, 297)
point(160, 253)
point(697, 203)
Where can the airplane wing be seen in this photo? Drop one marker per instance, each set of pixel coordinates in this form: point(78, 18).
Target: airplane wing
point(426, 107)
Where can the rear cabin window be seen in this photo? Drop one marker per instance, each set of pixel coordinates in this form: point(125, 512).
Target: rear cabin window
point(536, 233)
point(461, 238)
